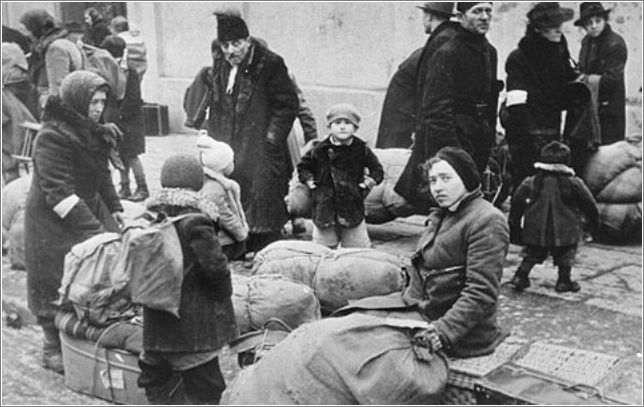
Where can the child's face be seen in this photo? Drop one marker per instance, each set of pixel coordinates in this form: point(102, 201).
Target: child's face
point(342, 129)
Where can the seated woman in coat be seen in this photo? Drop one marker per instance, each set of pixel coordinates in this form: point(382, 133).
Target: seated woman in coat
point(71, 197)
point(457, 268)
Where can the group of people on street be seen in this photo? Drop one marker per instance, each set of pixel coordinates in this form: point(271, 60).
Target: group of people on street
point(244, 106)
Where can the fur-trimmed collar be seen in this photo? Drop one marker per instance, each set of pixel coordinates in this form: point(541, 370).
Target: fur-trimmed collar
point(182, 198)
point(558, 168)
point(67, 120)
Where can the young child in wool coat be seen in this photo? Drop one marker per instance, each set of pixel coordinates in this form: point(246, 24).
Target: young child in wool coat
point(218, 161)
point(340, 170)
point(545, 216)
point(190, 345)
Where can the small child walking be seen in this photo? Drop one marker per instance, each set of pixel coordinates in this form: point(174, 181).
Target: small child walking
point(545, 216)
point(340, 170)
point(218, 161)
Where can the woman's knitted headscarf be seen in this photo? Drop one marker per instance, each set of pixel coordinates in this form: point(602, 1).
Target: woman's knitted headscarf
point(78, 87)
point(12, 55)
point(38, 22)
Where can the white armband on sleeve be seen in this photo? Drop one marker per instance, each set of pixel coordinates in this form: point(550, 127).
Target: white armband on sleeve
point(63, 207)
point(516, 97)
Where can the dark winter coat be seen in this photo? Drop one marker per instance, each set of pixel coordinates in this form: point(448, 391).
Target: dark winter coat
point(411, 178)
point(551, 204)
point(70, 157)
point(255, 121)
point(606, 56)
point(337, 171)
point(542, 69)
point(398, 116)
point(207, 316)
point(130, 118)
point(456, 275)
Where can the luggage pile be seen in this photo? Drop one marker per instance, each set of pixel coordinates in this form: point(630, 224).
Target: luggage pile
point(336, 276)
point(382, 204)
point(614, 176)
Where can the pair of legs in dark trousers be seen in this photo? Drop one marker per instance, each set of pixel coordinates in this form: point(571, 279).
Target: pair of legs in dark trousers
point(563, 257)
point(142, 191)
point(202, 384)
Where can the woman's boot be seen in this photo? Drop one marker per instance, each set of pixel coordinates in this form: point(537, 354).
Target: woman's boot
point(564, 283)
point(52, 357)
point(520, 279)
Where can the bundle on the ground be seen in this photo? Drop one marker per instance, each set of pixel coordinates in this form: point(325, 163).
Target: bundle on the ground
point(97, 289)
point(14, 196)
point(336, 276)
point(257, 299)
point(382, 204)
point(614, 176)
point(356, 359)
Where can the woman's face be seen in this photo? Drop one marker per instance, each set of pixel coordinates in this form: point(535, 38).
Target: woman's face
point(96, 106)
point(446, 186)
point(88, 19)
point(552, 34)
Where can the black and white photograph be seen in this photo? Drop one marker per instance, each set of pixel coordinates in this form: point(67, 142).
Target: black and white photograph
point(322, 203)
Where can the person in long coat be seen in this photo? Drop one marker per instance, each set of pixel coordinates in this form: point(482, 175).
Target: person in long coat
point(538, 71)
point(71, 197)
point(130, 122)
point(603, 52)
point(456, 270)
point(53, 55)
point(436, 20)
point(251, 109)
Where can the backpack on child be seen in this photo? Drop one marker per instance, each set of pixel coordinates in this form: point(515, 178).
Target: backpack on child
point(103, 63)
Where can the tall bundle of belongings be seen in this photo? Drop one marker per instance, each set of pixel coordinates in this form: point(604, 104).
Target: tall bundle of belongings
point(103, 63)
point(382, 204)
point(355, 359)
point(259, 299)
point(336, 276)
point(614, 176)
point(14, 197)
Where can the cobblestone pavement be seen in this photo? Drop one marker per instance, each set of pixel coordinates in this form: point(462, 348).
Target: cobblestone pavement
point(605, 316)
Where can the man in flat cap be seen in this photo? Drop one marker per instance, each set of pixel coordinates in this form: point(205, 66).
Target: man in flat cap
point(460, 104)
point(251, 103)
point(436, 20)
point(399, 110)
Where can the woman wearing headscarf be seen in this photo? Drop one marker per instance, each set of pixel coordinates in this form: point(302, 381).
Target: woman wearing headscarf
point(97, 28)
point(538, 71)
point(72, 196)
point(457, 268)
point(53, 55)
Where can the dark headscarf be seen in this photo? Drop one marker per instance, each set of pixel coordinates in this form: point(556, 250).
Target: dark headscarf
point(38, 22)
point(78, 87)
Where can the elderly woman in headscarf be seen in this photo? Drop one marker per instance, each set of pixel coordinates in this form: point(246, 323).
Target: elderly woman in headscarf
point(53, 55)
point(71, 198)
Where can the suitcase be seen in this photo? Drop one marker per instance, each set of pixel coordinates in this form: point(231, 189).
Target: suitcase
point(109, 374)
point(156, 119)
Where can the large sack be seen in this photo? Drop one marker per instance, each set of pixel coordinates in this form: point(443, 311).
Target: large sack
point(16, 240)
point(356, 359)
point(620, 222)
point(626, 187)
point(299, 201)
point(14, 196)
point(97, 289)
point(336, 276)
point(608, 163)
point(295, 259)
point(383, 204)
point(352, 274)
point(257, 299)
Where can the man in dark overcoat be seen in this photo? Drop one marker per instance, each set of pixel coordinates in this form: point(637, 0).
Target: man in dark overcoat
point(603, 52)
point(436, 20)
point(251, 103)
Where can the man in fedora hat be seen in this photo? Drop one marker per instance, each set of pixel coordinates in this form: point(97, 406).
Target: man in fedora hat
point(460, 93)
point(538, 71)
point(252, 104)
point(603, 52)
point(399, 110)
point(436, 20)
